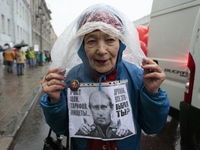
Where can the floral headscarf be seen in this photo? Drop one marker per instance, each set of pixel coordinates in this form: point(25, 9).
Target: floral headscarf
point(97, 17)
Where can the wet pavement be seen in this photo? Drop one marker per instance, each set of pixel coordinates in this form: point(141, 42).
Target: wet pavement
point(168, 139)
point(17, 95)
point(33, 131)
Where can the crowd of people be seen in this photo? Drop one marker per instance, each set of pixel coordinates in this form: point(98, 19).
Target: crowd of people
point(11, 56)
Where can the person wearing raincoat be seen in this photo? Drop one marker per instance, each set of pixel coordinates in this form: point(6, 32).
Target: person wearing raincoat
point(19, 56)
point(102, 45)
point(9, 56)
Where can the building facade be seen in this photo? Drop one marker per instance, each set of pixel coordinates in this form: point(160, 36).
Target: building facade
point(41, 25)
point(144, 21)
point(26, 21)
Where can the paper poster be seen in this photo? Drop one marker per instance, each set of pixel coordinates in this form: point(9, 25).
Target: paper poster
point(104, 114)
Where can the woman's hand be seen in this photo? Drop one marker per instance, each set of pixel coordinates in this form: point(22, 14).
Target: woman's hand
point(52, 84)
point(153, 75)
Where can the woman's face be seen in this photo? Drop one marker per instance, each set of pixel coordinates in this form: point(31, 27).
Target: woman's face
point(101, 50)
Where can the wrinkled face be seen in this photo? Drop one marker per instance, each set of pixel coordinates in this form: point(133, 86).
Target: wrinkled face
point(101, 50)
point(100, 108)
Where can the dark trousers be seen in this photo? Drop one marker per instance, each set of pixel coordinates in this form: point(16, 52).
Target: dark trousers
point(9, 66)
point(19, 68)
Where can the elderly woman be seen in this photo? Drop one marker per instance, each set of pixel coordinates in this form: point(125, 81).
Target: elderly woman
point(103, 38)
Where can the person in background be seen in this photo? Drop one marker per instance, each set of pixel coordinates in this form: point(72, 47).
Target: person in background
point(24, 56)
point(48, 56)
point(1, 54)
point(43, 58)
point(39, 58)
point(19, 54)
point(101, 36)
point(9, 56)
point(27, 58)
point(32, 57)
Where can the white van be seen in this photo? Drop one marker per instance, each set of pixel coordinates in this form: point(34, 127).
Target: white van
point(174, 43)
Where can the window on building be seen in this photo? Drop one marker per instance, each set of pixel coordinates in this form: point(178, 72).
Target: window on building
point(24, 35)
point(20, 9)
point(23, 13)
point(17, 31)
point(26, 15)
point(8, 27)
point(21, 34)
point(27, 37)
point(37, 38)
point(3, 23)
point(17, 6)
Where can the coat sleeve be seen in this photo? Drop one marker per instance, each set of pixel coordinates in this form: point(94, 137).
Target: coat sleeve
point(153, 110)
point(55, 113)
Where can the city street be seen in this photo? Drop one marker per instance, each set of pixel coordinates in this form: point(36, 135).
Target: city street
point(17, 95)
point(34, 131)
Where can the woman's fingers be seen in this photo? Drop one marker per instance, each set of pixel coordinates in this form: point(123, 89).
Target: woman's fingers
point(52, 83)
